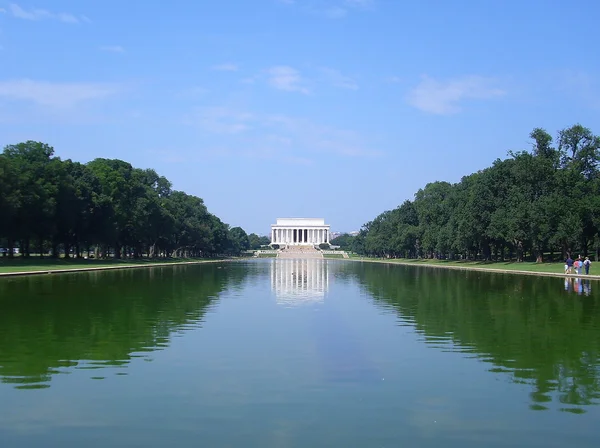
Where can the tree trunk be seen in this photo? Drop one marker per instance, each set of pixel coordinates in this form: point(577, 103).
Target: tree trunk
point(25, 248)
point(55, 253)
point(11, 248)
point(41, 247)
point(539, 256)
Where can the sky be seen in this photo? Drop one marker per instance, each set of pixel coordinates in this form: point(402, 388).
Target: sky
point(336, 109)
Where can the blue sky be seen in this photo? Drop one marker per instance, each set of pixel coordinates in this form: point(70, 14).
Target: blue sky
point(296, 108)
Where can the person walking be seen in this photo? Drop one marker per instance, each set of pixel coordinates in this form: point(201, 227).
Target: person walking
point(568, 265)
point(586, 265)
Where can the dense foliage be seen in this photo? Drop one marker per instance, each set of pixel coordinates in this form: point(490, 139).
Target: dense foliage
point(546, 201)
point(256, 241)
point(60, 206)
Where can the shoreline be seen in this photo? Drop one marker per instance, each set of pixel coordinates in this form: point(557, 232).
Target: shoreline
point(474, 268)
point(106, 268)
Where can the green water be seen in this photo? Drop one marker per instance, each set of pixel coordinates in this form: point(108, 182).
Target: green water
point(290, 353)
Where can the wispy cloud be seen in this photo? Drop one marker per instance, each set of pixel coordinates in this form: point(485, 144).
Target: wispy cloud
point(360, 3)
point(334, 12)
point(394, 79)
point(43, 14)
point(283, 77)
point(112, 48)
point(281, 136)
point(578, 85)
point(54, 94)
point(221, 120)
point(227, 67)
point(319, 138)
point(337, 79)
point(333, 9)
point(444, 97)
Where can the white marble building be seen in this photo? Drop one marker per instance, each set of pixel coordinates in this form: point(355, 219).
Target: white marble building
point(299, 231)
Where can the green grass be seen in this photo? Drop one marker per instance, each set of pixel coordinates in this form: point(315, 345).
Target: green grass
point(556, 267)
point(33, 264)
point(333, 256)
point(267, 255)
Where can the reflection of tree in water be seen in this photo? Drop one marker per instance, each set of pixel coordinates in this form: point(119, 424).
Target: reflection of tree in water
point(100, 319)
point(526, 326)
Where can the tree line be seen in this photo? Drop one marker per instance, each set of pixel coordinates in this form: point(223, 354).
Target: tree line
point(106, 207)
point(532, 205)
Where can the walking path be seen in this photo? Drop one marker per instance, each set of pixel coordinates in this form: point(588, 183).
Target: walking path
point(473, 268)
point(105, 268)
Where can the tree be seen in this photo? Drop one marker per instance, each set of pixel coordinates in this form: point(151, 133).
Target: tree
point(107, 204)
point(531, 203)
point(239, 240)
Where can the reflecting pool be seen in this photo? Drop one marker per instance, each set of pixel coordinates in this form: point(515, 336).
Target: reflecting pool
point(298, 353)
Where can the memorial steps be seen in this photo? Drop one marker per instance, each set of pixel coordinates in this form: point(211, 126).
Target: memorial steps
point(299, 252)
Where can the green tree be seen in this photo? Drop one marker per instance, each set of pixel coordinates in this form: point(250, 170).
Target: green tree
point(239, 240)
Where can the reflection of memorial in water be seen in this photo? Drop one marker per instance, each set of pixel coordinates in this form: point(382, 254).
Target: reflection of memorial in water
point(299, 281)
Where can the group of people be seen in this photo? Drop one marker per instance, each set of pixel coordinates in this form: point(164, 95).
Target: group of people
point(577, 265)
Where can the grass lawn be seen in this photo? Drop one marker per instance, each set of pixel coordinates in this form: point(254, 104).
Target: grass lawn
point(20, 264)
point(556, 267)
point(333, 256)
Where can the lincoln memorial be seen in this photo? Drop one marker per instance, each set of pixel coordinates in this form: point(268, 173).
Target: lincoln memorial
point(299, 231)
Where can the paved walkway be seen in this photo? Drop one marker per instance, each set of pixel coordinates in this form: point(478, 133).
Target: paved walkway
point(472, 268)
point(103, 268)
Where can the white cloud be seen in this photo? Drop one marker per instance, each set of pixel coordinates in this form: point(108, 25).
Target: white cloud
point(360, 3)
point(444, 97)
point(112, 48)
point(335, 12)
point(265, 135)
point(221, 120)
point(311, 136)
point(227, 67)
point(54, 94)
point(578, 85)
point(337, 79)
point(283, 77)
point(42, 14)
point(332, 9)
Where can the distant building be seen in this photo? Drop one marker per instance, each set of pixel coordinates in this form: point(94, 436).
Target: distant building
point(300, 231)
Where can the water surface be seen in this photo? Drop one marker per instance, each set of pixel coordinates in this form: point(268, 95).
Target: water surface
point(297, 353)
